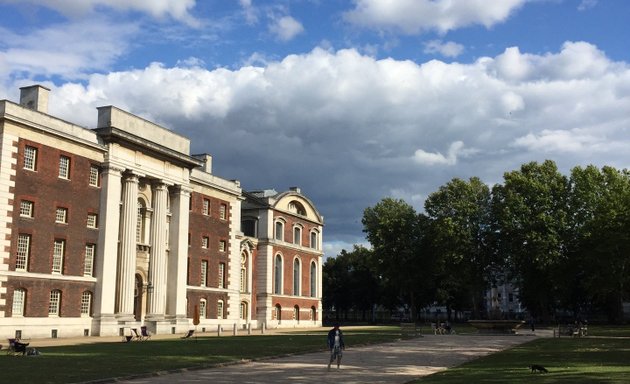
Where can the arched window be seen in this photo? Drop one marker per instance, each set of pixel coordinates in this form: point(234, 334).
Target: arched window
point(296, 313)
point(314, 240)
point(244, 272)
point(279, 235)
point(297, 235)
point(313, 279)
point(86, 303)
point(19, 301)
point(313, 314)
point(296, 277)
point(278, 313)
point(142, 208)
point(243, 310)
point(278, 275)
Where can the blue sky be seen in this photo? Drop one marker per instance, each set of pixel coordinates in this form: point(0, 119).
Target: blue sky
point(350, 100)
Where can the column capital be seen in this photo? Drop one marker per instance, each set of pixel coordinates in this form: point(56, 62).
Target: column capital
point(182, 190)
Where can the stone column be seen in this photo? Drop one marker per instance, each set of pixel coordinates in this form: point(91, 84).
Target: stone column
point(178, 256)
point(157, 262)
point(106, 258)
point(127, 256)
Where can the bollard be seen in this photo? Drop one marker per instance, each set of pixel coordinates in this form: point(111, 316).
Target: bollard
point(249, 328)
point(234, 329)
point(219, 330)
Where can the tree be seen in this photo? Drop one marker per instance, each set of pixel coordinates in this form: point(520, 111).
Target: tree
point(600, 207)
point(396, 233)
point(460, 218)
point(530, 210)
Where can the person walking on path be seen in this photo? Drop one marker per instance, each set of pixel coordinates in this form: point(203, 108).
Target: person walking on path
point(336, 345)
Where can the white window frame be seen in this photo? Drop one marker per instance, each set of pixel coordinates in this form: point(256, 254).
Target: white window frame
point(297, 235)
point(297, 277)
point(278, 274)
point(279, 230)
point(59, 248)
point(203, 308)
point(222, 245)
point(313, 279)
point(221, 275)
point(23, 252)
point(26, 208)
point(314, 239)
point(64, 167)
point(205, 241)
point(220, 309)
point(94, 176)
point(88, 265)
point(55, 303)
point(204, 273)
point(86, 304)
point(30, 158)
point(205, 207)
point(19, 299)
point(92, 220)
point(223, 212)
point(61, 215)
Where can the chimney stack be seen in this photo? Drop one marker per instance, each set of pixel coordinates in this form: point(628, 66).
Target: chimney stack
point(35, 97)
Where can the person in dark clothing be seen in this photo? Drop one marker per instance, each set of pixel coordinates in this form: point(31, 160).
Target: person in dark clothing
point(336, 345)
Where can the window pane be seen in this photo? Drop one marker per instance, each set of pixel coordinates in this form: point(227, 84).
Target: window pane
point(61, 216)
point(88, 266)
point(92, 220)
point(23, 251)
point(279, 230)
point(221, 275)
point(86, 303)
point(26, 208)
point(64, 167)
point(219, 309)
point(30, 158)
point(204, 273)
point(223, 212)
point(53, 307)
point(19, 296)
point(58, 250)
point(202, 309)
point(94, 175)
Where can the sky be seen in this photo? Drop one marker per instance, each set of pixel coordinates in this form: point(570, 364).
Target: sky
point(352, 101)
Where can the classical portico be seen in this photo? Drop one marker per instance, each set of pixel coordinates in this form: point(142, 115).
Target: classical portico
point(144, 206)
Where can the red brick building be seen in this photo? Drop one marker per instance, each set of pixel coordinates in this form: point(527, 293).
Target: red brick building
point(119, 226)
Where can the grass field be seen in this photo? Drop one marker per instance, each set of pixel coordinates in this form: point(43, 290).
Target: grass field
point(602, 358)
point(77, 363)
point(568, 360)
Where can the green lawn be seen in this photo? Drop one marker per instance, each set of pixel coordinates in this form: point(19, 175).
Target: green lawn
point(76, 363)
point(568, 360)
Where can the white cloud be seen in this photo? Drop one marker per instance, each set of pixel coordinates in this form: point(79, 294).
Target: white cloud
point(176, 9)
point(559, 141)
point(251, 15)
point(587, 4)
point(365, 127)
point(446, 49)
point(66, 50)
point(285, 28)
point(428, 158)
point(416, 16)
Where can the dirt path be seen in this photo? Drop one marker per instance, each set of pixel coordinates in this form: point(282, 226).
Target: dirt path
point(398, 362)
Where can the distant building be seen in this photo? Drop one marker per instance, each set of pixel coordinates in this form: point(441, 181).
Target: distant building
point(120, 226)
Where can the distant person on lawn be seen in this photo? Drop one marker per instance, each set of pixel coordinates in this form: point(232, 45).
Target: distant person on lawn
point(336, 345)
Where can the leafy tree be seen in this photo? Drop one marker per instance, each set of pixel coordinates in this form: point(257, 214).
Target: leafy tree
point(460, 217)
point(396, 232)
point(600, 207)
point(530, 210)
